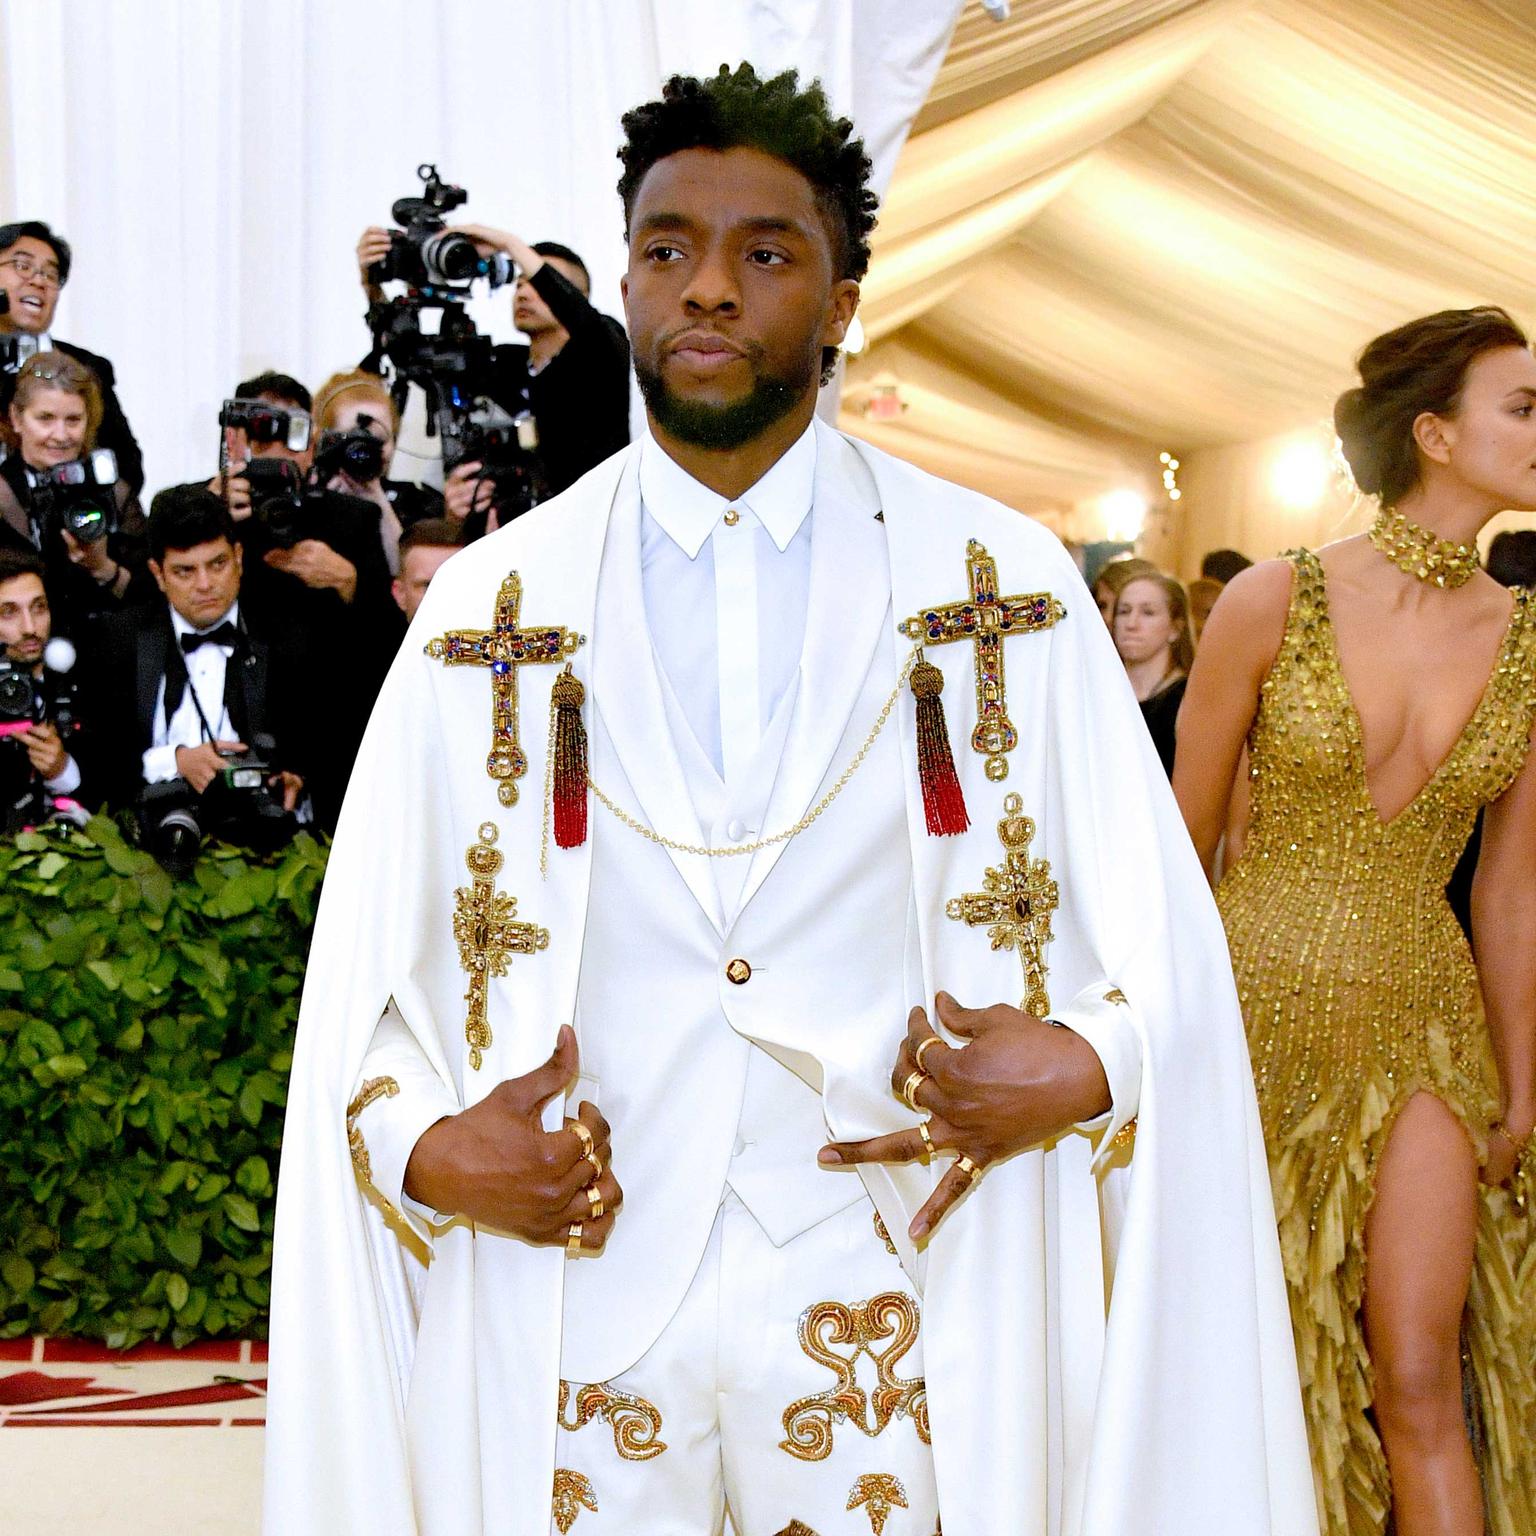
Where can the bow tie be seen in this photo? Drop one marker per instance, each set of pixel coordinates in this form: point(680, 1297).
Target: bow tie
point(225, 634)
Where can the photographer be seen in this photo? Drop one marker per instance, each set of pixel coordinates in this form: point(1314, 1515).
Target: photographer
point(572, 376)
point(34, 266)
point(40, 754)
point(186, 686)
point(90, 535)
point(424, 548)
point(358, 422)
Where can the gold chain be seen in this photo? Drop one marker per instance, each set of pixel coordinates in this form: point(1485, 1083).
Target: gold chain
point(651, 835)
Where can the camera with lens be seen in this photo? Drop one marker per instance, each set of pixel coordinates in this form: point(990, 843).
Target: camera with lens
point(356, 453)
point(264, 423)
point(242, 805)
point(24, 702)
point(80, 497)
point(10, 346)
point(278, 500)
point(503, 446)
point(424, 252)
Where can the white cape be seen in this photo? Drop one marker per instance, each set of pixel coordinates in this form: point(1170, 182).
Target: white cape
point(1107, 1342)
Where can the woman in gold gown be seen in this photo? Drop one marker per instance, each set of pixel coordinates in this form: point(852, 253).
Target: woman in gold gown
point(1385, 689)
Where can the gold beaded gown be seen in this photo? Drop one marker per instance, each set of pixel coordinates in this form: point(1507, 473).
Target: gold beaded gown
point(1358, 990)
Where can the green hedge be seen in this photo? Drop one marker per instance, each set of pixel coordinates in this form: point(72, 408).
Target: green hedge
point(146, 1027)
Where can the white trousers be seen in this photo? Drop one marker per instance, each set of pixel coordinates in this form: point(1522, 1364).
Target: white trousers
point(785, 1397)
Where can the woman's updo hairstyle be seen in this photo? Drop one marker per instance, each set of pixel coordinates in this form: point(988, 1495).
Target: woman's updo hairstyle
point(1418, 367)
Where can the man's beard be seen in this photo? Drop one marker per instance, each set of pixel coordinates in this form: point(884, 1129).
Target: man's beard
point(724, 427)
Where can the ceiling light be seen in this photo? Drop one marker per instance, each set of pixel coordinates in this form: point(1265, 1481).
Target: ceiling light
point(1300, 474)
point(1124, 513)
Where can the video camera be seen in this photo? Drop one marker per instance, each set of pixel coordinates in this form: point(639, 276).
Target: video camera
point(79, 497)
point(242, 805)
point(449, 359)
point(357, 453)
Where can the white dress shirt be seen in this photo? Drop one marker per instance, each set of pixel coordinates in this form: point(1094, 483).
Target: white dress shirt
point(205, 674)
point(726, 584)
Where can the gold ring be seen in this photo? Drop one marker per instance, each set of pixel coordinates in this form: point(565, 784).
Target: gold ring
point(573, 1240)
point(969, 1167)
point(909, 1088)
point(922, 1045)
point(583, 1135)
point(928, 1147)
point(596, 1161)
point(594, 1199)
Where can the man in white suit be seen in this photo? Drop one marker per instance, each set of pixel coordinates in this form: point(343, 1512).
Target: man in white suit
point(870, 1266)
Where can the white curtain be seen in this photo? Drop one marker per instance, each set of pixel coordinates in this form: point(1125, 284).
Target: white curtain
point(214, 163)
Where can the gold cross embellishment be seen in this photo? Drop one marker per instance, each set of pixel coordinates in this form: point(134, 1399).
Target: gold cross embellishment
point(1016, 904)
point(986, 620)
point(504, 648)
point(488, 934)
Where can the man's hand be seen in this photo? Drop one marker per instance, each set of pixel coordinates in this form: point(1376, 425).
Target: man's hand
point(45, 749)
point(372, 246)
point(490, 241)
point(317, 565)
point(463, 488)
point(1018, 1082)
point(236, 491)
point(293, 788)
point(201, 764)
point(92, 556)
point(496, 1164)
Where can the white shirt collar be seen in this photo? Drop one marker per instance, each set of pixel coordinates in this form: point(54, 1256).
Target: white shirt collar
point(180, 626)
point(688, 510)
point(31, 345)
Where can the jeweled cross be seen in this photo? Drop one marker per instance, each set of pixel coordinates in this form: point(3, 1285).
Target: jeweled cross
point(1016, 904)
point(488, 934)
point(504, 648)
point(987, 620)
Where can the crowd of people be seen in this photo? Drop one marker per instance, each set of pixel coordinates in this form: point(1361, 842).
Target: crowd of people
point(237, 635)
point(248, 619)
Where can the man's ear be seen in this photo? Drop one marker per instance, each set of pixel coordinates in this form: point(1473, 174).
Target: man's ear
point(842, 305)
point(397, 591)
point(158, 572)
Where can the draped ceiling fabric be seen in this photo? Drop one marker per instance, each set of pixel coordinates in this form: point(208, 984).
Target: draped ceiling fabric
point(214, 164)
point(1122, 227)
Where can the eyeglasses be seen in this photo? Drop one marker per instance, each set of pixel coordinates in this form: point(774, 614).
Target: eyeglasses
point(26, 269)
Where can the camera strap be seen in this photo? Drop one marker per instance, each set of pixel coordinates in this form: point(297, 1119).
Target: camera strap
point(181, 673)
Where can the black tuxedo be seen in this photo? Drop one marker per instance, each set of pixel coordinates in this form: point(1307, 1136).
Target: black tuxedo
point(264, 692)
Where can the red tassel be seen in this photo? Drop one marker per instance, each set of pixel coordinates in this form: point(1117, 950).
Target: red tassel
point(570, 776)
point(943, 799)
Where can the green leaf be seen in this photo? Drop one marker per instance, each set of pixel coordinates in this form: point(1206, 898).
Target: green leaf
point(17, 1273)
point(177, 1291)
point(242, 1213)
point(105, 972)
point(50, 865)
point(186, 1247)
point(254, 1177)
point(132, 1037)
point(10, 981)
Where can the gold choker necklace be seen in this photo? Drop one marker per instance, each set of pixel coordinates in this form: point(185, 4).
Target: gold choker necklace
point(1421, 553)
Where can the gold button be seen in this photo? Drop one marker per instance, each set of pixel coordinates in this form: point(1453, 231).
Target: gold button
point(738, 971)
point(732, 517)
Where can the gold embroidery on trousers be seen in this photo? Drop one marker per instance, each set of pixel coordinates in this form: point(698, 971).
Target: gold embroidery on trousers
point(573, 1493)
point(636, 1424)
point(879, 1493)
point(808, 1422)
point(375, 1088)
point(488, 934)
point(504, 648)
point(1016, 904)
point(883, 1233)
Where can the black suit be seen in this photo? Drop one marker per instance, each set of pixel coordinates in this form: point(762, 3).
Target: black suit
point(263, 692)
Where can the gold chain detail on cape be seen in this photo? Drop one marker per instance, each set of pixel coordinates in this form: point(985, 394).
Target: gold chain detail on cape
point(1441, 562)
point(375, 1088)
point(651, 835)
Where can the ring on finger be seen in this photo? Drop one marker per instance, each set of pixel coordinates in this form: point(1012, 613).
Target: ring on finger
point(923, 1045)
point(573, 1240)
point(583, 1135)
point(597, 1163)
point(594, 1199)
point(928, 1147)
point(969, 1167)
point(914, 1081)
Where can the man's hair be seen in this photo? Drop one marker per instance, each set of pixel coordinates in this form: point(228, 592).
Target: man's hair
point(736, 110)
point(35, 229)
point(21, 562)
point(1511, 558)
point(564, 253)
point(280, 386)
point(431, 533)
point(186, 516)
point(1223, 564)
